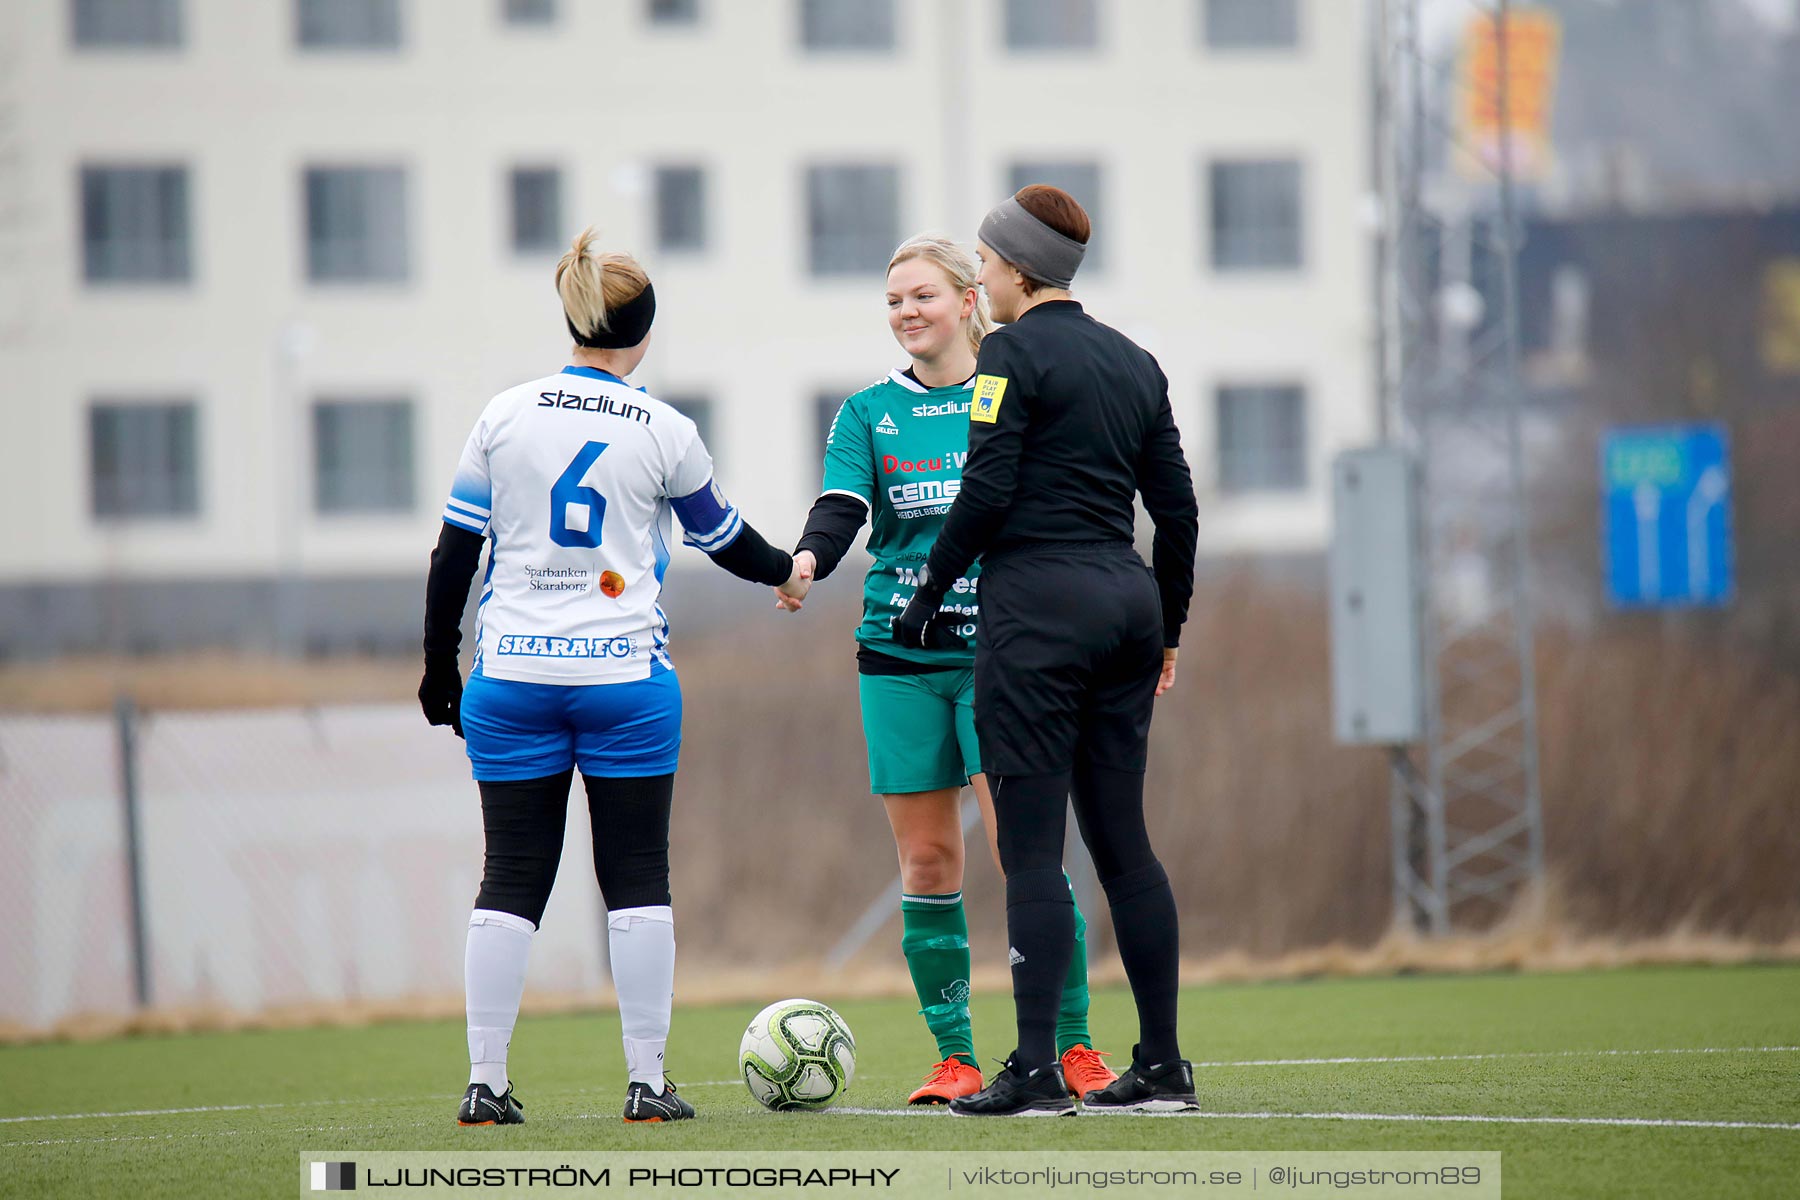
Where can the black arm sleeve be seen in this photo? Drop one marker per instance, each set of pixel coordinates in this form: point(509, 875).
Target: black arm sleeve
point(1168, 492)
point(830, 528)
point(990, 474)
point(749, 556)
point(453, 564)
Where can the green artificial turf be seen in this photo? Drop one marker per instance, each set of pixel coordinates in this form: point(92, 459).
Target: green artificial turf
point(395, 1086)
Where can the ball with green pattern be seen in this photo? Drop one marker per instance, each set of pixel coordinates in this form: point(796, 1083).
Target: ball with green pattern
point(797, 1055)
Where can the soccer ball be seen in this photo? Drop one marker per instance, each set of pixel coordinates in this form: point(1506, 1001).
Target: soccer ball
point(797, 1054)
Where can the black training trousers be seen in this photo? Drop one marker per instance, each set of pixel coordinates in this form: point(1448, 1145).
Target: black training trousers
point(1068, 651)
point(1067, 659)
point(524, 821)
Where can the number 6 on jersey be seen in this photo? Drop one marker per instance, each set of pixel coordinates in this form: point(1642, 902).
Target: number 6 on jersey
point(570, 499)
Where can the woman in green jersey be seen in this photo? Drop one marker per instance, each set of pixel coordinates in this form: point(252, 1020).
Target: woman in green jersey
point(894, 459)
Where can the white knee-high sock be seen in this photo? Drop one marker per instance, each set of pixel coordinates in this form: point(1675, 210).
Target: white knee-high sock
point(642, 941)
point(494, 980)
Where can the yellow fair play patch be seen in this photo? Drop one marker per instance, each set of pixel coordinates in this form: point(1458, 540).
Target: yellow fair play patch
point(988, 392)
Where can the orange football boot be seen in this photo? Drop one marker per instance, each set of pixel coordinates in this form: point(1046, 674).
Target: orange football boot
point(949, 1079)
point(1083, 1070)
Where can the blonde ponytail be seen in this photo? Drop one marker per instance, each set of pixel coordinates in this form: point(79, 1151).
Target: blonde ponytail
point(593, 284)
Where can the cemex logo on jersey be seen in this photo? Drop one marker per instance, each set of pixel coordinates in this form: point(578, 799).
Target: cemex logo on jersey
point(954, 460)
point(594, 404)
point(886, 425)
point(531, 646)
point(923, 497)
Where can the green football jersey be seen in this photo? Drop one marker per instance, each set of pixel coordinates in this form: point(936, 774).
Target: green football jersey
point(899, 447)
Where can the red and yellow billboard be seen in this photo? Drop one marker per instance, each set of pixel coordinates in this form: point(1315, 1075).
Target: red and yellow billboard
point(1532, 43)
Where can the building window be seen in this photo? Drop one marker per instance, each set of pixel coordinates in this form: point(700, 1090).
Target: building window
point(356, 224)
point(536, 209)
point(674, 12)
point(1082, 181)
point(530, 12)
point(110, 24)
point(145, 459)
point(1255, 215)
point(853, 218)
point(847, 24)
point(1251, 24)
point(363, 456)
point(680, 208)
point(1262, 439)
point(134, 224)
point(347, 24)
point(1052, 25)
point(698, 409)
point(826, 404)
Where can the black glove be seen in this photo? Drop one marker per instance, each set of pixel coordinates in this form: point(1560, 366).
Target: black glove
point(921, 626)
point(440, 693)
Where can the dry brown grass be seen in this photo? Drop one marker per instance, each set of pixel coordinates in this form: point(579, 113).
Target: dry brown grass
point(1670, 771)
point(1534, 943)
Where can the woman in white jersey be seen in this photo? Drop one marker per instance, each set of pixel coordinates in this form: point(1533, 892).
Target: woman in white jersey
point(894, 459)
point(570, 480)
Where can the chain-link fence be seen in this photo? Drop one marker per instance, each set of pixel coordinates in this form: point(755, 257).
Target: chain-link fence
point(288, 858)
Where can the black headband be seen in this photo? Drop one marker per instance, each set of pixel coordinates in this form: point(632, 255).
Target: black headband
point(630, 324)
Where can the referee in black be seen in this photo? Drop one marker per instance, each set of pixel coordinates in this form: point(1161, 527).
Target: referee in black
point(1069, 421)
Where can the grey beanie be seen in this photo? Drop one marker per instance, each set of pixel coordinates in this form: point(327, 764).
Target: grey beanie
point(1030, 245)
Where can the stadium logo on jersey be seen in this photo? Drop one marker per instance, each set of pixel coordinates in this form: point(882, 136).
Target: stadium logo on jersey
point(594, 404)
point(989, 389)
point(886, 425)
point(531, 646)
point(924, 497)
point(949, 408)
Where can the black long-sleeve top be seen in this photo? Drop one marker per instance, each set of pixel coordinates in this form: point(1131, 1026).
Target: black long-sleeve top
point(1070, 421)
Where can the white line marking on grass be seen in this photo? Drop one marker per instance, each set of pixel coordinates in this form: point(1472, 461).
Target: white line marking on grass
point(1426, 1058)
point(168, 1112)
point(1466, 1118)
point(707, 1083)
point(169, 1137)
point(1472, 1118)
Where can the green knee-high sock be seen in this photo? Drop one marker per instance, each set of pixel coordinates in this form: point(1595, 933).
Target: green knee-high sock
point(935, 939)
point(1072, 1016)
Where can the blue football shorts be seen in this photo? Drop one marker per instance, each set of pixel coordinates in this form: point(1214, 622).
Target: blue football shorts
point(517, 730)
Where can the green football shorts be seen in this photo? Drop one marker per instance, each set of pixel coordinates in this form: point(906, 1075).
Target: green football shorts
point(920, 730)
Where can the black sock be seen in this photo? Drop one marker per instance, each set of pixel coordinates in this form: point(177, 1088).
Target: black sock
point(1144, 923)
point(1040, 930)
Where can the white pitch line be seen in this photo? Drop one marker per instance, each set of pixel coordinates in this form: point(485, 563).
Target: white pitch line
point(170, 1137)
point(169, 1112)
point(1425, 1058)
point(1246, 1062)
point(1466, 1118)
point(1471, 1118)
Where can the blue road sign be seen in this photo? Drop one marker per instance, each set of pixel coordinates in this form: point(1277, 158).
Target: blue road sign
point(1666, 516)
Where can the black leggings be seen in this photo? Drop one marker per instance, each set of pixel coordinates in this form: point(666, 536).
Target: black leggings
point(1109, 810)
point(1040, 919)
point(524, 821)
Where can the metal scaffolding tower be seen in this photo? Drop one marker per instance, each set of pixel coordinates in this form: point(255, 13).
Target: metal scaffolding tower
point(1467, 823)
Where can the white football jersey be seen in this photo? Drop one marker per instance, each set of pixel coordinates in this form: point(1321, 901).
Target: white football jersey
point(572, 479)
